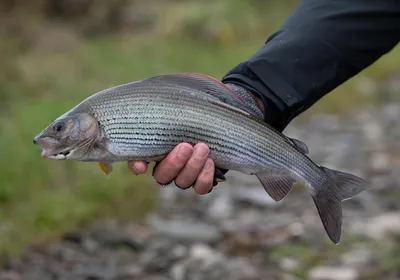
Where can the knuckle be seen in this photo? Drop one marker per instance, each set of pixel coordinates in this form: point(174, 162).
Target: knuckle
point(174, 165)
point(171, 163)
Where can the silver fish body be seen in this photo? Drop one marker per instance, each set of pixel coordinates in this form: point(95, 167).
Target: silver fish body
point(145, 120)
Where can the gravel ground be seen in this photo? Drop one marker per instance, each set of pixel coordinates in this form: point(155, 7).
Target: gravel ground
point(237, 232)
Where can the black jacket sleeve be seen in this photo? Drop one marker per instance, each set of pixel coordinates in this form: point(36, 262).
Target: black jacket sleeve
point(322, 44)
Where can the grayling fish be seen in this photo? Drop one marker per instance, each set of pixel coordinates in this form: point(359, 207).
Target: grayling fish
point(145, 120)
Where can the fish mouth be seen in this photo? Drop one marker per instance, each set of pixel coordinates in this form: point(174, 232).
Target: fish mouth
point(57, 156)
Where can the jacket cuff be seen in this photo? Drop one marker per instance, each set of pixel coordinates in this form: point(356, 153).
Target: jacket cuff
point(276, 111)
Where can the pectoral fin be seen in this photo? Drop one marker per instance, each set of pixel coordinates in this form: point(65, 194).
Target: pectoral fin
point(301, 146)
point(106, 167)
point(276, 184)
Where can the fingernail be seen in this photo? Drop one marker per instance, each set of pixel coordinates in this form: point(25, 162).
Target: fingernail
point(164, 184)
point(208, 166)
point(184, 152)
point(200, 151)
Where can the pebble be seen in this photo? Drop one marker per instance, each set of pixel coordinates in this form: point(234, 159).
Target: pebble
point(184, 230)
point(238, 232)
point(254, 195)
point(221, 208)
point(289, 264)
point(380, 227)
point(90, 245)
point(333, 273)
point(357, 257)
point(10, 276)
point(177, 271)
point(130, 271)
point(205, 254)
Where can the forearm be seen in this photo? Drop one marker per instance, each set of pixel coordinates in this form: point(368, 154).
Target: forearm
point(321, 45)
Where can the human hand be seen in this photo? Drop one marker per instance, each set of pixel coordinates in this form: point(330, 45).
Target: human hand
point(187, 165)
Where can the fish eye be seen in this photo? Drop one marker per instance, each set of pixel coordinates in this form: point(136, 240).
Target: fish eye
point(58, 126)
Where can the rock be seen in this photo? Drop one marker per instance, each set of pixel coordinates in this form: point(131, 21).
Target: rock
point(185, 230)
point(254, 195)
point(205, 254)
point(179, 252)
point(380, 162)
point(297, 229)
point(289, 264)
point(64, 254)
point(380, 227)
point(358, 257)
point(160, 255)
point(333, 273)
point(157, 277)
point(373, 134)
point(90, 245)
point(220, 267)
point(110, 233)
point(236, 231)
point(221, 208)
point(238, 180)
point(130, 271)
point(242, 268)
point(177, 271)
point(10, 276)
point(289, 277)
point(391, 112)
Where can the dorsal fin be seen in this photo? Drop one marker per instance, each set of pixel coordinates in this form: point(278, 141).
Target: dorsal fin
point(301, 146)
point(206, 84)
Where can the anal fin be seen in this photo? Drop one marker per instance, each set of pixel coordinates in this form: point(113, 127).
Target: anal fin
point(106, 167)
point(276, 184)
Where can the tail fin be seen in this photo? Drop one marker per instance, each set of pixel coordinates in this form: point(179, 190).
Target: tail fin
point(340, 186)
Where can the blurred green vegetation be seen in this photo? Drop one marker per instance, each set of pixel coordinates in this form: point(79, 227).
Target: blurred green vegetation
point(53, 56)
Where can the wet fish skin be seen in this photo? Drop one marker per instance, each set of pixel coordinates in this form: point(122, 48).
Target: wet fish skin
point(145, 120)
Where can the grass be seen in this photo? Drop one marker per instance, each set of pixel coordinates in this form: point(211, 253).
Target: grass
point(41, 198)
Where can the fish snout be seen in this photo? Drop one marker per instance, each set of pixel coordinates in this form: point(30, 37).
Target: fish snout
point(38, 139)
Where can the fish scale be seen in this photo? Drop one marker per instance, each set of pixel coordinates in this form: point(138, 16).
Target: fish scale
point(145, 120)
point(143, 116)
point(169, 110)
point(190, 128)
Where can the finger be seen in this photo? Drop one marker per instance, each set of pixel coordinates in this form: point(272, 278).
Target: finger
point(137, 167)
point(170, 167)
point(194, 165)
point(205, 179)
